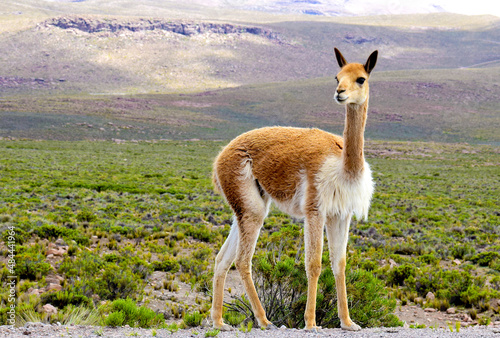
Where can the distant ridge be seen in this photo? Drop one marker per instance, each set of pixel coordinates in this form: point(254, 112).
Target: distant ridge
point(187, 28)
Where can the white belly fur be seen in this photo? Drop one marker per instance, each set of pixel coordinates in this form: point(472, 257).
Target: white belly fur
point(340, 194)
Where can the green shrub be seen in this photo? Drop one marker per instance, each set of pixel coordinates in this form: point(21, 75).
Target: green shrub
point(116, 282)
point(369, 303)
point(400, 274)
point(115, 319)
point(166, 264)
point(429, 258)
point(20, 236)
point(212, 333)
point(135, 316)
point(485, 258)
point(233, 318)
point(282, 287)
point(369, 265)
point(54, 231)
point(461, 251)
point(83, 265)
point(193, 319)
point(31, 265)
point(106, 279)
point(86, 216)
point(63, 298)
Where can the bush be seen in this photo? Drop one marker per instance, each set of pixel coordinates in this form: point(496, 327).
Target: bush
point(400, 274)
point(167, 265)
point(31, 264)
point(61, 299)
point(86, 216)
point(282, 288)
point(132, 315)
point(55, 231)
point(193, 319)
point(106, 279)
point(485, 258)
point(115, 319)
point(116, 282)
point(461, 251)
point(233, 318)
point(429, 259)
point(20, 236)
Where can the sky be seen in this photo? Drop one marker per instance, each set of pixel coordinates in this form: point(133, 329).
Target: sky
point(473, 7)
point(469, 7)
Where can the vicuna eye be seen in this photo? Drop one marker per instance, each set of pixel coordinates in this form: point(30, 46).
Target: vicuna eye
point(360, 80)
point(336, 79)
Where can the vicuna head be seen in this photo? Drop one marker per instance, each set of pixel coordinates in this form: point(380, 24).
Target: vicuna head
point(353, 79)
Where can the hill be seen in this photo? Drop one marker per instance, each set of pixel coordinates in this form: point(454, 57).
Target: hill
point(189, 71)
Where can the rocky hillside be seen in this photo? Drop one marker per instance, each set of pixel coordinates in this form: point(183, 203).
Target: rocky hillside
point(95, 25)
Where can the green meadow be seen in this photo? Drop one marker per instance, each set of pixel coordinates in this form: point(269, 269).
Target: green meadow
point(126, 212)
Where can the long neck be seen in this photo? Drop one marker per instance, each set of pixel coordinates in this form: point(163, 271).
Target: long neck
point(352, 155)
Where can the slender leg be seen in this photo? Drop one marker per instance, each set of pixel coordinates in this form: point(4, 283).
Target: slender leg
point(313, 239)
point(249, 232)
point(223, 262)
point(337, 231)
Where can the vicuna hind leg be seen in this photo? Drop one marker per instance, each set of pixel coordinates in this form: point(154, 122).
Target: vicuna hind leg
point(250, 223)
point(223, 262)
point(337, 231)
point(250, 206)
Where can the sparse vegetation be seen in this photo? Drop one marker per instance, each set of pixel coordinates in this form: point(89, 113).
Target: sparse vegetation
point(167, 219)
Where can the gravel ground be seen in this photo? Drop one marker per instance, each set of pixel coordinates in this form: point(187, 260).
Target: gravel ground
point(47, 330)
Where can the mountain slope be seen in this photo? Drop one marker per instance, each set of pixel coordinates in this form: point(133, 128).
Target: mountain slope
point(106, 54)
point(215, 73)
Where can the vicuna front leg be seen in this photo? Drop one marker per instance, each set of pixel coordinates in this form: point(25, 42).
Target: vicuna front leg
point(337, 231)
point(313, 240)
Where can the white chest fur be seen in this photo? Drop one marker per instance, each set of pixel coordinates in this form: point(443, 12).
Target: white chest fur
point(340, 194)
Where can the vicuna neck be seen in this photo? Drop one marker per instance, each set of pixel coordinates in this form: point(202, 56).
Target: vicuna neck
point(352, 155)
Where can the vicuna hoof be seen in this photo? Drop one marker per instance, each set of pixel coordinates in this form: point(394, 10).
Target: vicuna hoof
point(271, 326)
point(224, 327)
point(352, 327)
point(314, 329)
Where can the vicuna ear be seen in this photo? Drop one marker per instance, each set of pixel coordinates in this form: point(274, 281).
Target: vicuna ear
point(340, 59)
point(370, 63)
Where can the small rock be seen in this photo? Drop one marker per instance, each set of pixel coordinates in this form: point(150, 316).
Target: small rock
point(54, 286)
point(392, 263)
point(429, 309)
point(49, 309)
point(451, 311)
point(57, 252)
point(456, 262)
point(430, 296)
point(32, 291)
point(61, 242)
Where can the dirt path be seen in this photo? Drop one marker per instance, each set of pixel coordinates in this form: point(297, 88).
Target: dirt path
point(47, 330)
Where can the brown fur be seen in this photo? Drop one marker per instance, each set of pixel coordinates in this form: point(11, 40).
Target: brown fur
point(275, 163)
point(274, 152)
